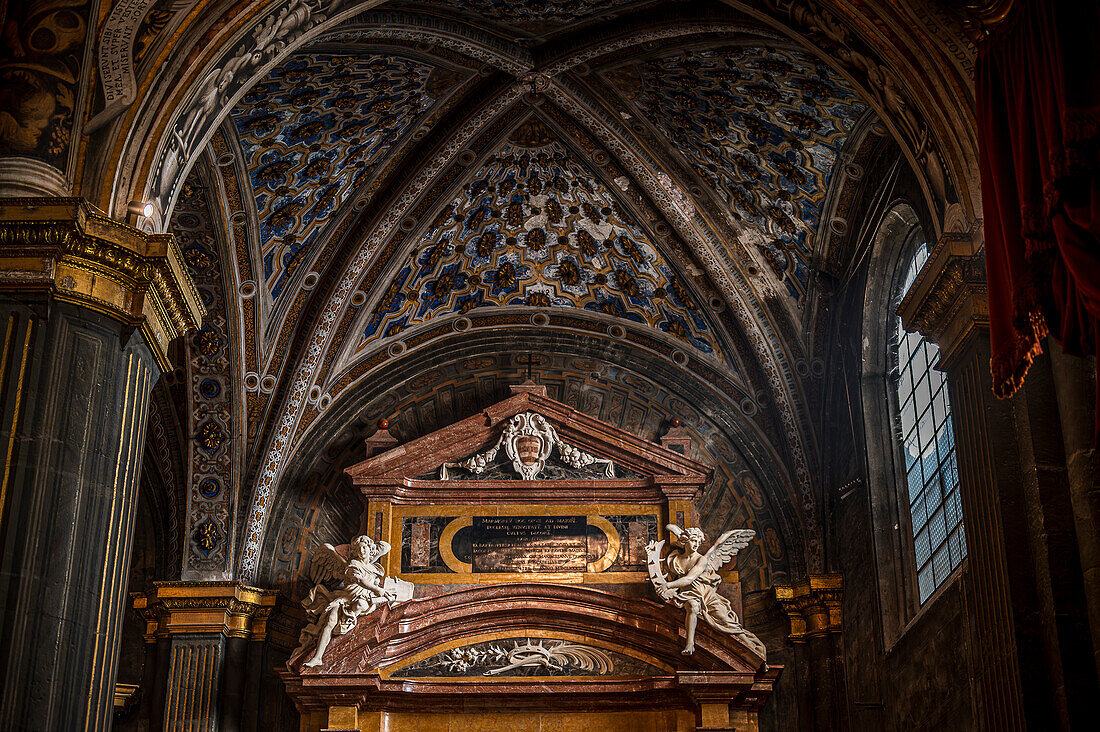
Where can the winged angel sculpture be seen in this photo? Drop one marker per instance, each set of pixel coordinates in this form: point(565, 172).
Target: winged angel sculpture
point(694, 581)
point(364, 587)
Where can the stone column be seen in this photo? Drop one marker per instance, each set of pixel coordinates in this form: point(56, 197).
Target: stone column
point(813, 607)
point(206, 637)
point(88, 307)
point(1075, 383)
point(1024, 587)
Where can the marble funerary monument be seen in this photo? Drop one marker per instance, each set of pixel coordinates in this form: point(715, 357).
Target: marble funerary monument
point(515, 562)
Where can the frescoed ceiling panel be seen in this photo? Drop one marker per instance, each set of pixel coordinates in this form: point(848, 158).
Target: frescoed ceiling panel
point(314, 131)
point(535, 227)
point(762, 127)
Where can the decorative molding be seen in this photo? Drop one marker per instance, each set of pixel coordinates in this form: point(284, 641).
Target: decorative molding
point(20, 176)
point(72, 250)
point(124, 696)
point(812, 605)
point(184, 608)
point(948, 300)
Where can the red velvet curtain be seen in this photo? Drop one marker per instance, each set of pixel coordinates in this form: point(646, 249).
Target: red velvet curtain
point(1038, 108)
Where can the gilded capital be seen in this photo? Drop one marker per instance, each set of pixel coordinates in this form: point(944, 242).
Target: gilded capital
point(181, 608)
point(72, 251)
point(948, 300)
point(812, 605)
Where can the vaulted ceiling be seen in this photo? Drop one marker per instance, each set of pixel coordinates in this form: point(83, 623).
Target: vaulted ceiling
point(614, 176)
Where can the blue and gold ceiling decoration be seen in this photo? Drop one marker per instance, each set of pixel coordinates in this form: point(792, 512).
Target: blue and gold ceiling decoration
point(763, 128)
point(535, 227)
point(314, 131)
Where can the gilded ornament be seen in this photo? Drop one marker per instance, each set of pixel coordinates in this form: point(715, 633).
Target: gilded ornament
point(207, 536)
point(211, 436)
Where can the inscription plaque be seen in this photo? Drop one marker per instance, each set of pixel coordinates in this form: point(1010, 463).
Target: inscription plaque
point(530, 544)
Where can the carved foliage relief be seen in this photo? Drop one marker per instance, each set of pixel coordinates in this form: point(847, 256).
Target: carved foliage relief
point(313, 132)
point(536, 228)
point(528, 657)
point(762, 127)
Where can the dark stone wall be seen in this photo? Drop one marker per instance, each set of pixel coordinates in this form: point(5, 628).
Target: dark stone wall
point(926, 676)
point(922, 681)
point(904, 666)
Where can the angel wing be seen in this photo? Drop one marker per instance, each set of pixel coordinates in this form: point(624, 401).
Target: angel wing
point(727, 546)
point(327, 563)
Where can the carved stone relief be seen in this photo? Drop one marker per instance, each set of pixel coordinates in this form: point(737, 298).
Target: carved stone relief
point(528, 440)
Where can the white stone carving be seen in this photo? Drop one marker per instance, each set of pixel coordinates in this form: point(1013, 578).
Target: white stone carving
point(364, 588)
point(564, 655)
point(527, 440)
point(695, 580)
point(555, 655)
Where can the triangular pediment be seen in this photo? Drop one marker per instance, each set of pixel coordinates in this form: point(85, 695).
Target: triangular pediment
point(632, 457)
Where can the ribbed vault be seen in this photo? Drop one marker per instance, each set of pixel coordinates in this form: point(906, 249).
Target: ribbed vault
point(394, 178)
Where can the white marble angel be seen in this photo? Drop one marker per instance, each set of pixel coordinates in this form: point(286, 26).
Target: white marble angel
point(695, 580)
point(364, 588)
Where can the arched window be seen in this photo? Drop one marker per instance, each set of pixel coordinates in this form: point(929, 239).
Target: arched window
point(931, 488)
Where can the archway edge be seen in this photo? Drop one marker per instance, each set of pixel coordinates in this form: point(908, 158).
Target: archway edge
point(761, 457)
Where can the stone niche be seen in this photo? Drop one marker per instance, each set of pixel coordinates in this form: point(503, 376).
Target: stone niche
point(524, 532)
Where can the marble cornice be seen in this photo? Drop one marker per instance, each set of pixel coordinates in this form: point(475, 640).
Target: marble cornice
point(812, 605)
point(70, 249)
point(948, 300)
point(184, 608)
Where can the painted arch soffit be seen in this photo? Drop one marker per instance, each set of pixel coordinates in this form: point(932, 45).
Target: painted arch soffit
point(534, 226)
point(211, 385)
point(315, 130)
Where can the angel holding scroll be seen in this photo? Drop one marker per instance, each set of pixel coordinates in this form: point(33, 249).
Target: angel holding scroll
point(696, 581)
point(335, 612)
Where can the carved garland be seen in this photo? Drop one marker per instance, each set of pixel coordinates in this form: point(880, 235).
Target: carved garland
point(528, 440)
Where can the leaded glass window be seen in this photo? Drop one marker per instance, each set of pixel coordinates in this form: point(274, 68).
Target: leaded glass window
point(931, 472)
